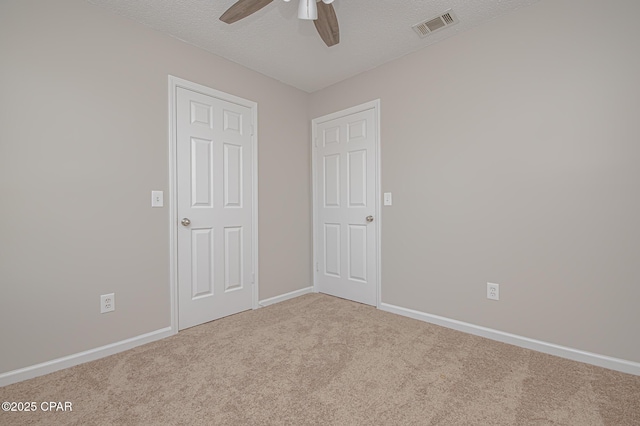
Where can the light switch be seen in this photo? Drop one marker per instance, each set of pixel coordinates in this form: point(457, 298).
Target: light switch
point(387, 198)
point(157, 199)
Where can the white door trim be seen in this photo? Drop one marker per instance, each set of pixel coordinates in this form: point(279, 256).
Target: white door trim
point(375, 105)
point(174, 83)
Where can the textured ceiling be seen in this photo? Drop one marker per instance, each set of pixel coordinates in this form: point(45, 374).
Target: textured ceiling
point(274, 42)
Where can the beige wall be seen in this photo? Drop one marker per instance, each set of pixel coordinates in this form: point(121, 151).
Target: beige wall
point(83, 141)
point(513, 155)
point(511, 151)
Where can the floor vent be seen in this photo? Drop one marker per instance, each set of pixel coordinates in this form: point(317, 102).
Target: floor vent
point(429, 26)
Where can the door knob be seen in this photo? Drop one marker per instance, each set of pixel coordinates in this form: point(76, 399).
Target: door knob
point(369, 218)
point(185, 222)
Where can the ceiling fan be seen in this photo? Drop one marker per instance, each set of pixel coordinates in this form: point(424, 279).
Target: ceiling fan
point(322, 13)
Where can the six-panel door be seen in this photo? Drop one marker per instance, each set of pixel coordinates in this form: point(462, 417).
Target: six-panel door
point(214, 195)
point(345, 191)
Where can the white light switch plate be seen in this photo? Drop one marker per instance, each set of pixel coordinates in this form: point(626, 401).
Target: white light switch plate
point(157, 199)
point(387, 198)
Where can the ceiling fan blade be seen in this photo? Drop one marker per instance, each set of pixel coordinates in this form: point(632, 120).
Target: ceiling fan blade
point(327, 24)
point(242, 9)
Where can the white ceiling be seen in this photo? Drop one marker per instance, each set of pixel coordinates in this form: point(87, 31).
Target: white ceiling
point(274, 42)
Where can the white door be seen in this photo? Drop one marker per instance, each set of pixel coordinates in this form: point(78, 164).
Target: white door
point(346, 202)
point(214, 206)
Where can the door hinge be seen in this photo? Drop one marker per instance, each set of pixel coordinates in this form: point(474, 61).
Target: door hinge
point(317, 268)
point(253, 278)
point(252, 130)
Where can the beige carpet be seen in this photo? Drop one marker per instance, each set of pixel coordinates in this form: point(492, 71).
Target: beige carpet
point(319, 360)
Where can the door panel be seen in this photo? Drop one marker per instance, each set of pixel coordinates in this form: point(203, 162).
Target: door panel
point(357, 130)
point(332, 180)
point(201, 265)
point(345, 156)
point(358, 253)
point(233, 258)
point(357, 180)
point(214, 192)
point(232, 175)
point(201, 172)
point(332, 249)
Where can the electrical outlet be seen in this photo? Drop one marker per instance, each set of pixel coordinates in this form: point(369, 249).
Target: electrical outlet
point(493, 291)
point(107, 303)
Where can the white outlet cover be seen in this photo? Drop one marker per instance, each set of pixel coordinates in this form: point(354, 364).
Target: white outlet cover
point(493, 291)
point(107, 303)
point(387, 199)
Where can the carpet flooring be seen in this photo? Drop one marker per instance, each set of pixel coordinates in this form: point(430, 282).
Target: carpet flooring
point(320, 360)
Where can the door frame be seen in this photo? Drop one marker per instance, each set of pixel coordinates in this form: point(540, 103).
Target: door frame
point(375, 105)
point(174, 84)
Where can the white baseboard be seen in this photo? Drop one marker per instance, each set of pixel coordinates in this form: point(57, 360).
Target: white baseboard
point(82, 357)
point(113, 348)
point(286, 296)
point(617, 364)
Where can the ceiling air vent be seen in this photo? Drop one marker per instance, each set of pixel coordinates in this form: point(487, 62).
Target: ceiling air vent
point(434, 24)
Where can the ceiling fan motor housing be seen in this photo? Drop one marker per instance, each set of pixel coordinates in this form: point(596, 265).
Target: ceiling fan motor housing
point(308, 9)
point(323, 17)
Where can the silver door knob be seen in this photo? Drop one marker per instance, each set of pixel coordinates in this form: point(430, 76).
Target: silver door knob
point(369, 218)
point(185, 222)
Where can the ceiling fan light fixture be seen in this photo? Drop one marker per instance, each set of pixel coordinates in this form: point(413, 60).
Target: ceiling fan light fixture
point(323, 16)
point(308, 10)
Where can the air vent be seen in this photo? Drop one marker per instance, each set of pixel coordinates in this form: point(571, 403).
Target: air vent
point(434, 24)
